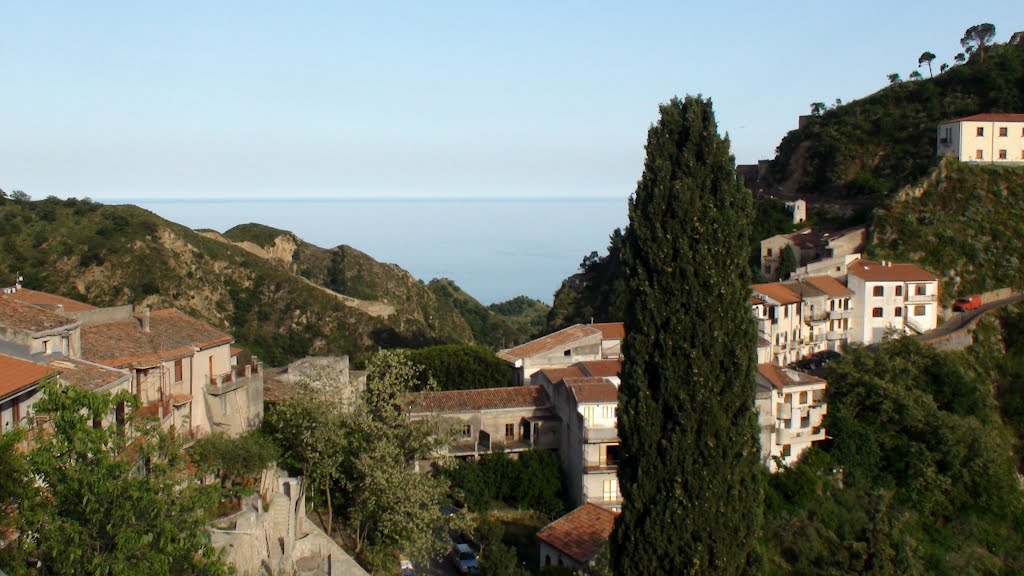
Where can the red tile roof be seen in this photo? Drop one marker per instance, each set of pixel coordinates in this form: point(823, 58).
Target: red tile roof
point(86, 375)
point(580, 534)
point(830, 286)
point(483, 399)
point(554, 375)
point(561, 339)
point(17, 374)
point(875, 272)
point(28, 318)
point(611, 330)
point(776, 292)
point(601, 368)
point(592, 390)
point(172, 335)
point(783, 377)
point(49, 301)
point(990, 118)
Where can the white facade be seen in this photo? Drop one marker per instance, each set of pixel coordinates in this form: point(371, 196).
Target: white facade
point(900, 298)
point(790, 407)
point(989, 138)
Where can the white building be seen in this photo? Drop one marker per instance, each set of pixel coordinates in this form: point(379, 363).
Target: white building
point(992, 138)
point(790, 409)
point(888, 296)
point(778, 312)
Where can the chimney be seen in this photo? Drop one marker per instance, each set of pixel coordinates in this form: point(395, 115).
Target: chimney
point(145, 319)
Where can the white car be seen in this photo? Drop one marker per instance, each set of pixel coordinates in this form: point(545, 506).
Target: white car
point(464, 559)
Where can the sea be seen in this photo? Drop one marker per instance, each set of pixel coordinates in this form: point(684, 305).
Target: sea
point(493, 248)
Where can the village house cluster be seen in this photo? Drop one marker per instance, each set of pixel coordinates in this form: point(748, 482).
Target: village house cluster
point(184, 372)
point(565, 385)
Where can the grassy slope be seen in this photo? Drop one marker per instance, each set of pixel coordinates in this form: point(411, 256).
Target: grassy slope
point(109, 255)
point(873, 146)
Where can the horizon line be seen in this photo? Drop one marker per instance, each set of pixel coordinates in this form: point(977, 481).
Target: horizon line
point(315, 199)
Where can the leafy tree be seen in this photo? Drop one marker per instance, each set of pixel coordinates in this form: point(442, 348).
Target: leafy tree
point(915, 75)
point(533, 481)
point(894, 78)
point(20, 196)
point(105, 502)
point(459, 367)
point(233, 460)
point(789, 262)
point(943, 67)
point(817, 108)
point(689, 475)
point(960, 58)
point(977, 38)
point(926, 58)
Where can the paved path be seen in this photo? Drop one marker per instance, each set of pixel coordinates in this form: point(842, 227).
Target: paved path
point(961, 320)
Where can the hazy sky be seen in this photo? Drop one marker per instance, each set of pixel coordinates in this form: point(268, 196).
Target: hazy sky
point(510, 99)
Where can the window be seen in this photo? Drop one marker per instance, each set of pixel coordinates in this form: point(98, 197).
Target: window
point(769, 252)
point(899, 290)
point(786, 451)
point(978, 155)
point(899, 312)
point(46, 346)
point(921, 289)
point(846, 323)
point(878, 291)
point(785, 311)
point(467, 431)
point(510, 431)
point(876, 313)
point(803, 397)
point(567, 353)
point(1002, 154)
point(981, 131)
point(178, 371)
point(588, 415)
point(805, 422)
point(918, 310)
point(607, 412)
point(1004, 131)
point(611, 490)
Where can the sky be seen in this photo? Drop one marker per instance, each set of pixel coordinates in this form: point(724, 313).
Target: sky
point(198, 100)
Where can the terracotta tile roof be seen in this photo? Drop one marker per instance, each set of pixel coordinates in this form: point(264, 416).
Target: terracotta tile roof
point(17, 374)
point(601, 368)
point(86, 375)
point(783, 377)
point(990, 118)
point(49, 301)
point(580, 534)
point(554, 375)
point(592, 390)
point(172, 335)
point(830, 286)
point(875, 272)
point(803, 290)
point(482, 399)
point(235, 351)
point(611, 330)
point(777, 292)
point(755, 301)
point(560, 339)
point(28, 318)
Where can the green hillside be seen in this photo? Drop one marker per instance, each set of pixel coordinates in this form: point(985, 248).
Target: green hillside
point(871, 147)
point(964, 222)
point(107, 255)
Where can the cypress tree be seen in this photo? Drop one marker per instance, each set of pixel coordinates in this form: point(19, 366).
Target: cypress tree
point(689, 471)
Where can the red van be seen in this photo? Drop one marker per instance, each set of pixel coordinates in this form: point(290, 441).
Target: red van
point(966, 303)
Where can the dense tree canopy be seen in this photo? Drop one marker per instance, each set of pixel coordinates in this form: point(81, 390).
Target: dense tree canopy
point(689, 474)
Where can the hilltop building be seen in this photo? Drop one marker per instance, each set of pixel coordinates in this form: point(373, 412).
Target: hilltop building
point(790, 409)
point(891, 297)
point(575, 540)
point(988, 138)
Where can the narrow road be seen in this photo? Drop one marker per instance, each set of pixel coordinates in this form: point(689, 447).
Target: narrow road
point(962, 319)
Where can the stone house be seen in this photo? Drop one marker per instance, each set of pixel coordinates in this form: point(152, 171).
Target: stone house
point(612, 334)
point(575, 540)
point(31, 331)
point(790, 408)
point(181, 370)
point(888, 296)
point(19, 390)
point(558, 350)
point(510, 420)
point(988, 138)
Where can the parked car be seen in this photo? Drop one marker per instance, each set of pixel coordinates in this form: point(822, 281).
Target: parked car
point(464, 559)
point(967, 303)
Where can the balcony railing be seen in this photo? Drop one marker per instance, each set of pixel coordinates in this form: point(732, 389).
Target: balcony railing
point(235, 378)
point(592, 466)
point(597, 434)
point(839, 314)
point(784, 410)
point(817, 318)
point(787, 436)
point(607, 503)
point(834, 335)
point(919, 298)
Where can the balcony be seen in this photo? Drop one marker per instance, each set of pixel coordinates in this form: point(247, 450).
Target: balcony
point(839, 314)
point(799, 435)
point(784, 410)
point(598, 466)
point(817, 319)
point(920, 298)
point(236, 378)
point(598, 435)
point(835, 335)
point(606, 503)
